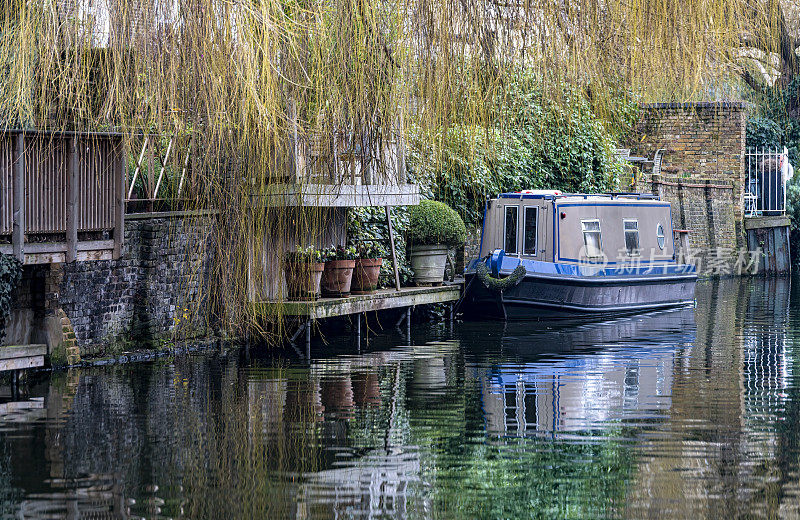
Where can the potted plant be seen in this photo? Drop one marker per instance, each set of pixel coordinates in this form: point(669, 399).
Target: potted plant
point(303, 269)
point(434, 227)
point(368, 267)
point(338, 275)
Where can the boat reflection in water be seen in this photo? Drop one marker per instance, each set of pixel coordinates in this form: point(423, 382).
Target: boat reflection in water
point(579, 377)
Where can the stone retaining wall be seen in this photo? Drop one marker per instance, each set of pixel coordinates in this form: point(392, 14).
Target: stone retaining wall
point(144, 296)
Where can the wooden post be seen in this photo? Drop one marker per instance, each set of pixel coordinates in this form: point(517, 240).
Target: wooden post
point(408, 325)
point(119, 201)
point(335, 173)
point(401, 154)
point(18, 182)
point(163, 168)
point(185, 165)
point(72, 199)
point(151, 165)
point(308, 340)
point(391, 243)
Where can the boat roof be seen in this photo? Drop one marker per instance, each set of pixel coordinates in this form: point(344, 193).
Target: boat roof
point(557, 195)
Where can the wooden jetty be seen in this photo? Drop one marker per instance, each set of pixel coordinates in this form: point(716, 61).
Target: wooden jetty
point(16, 358)
point(356, 305)
point(21, 357)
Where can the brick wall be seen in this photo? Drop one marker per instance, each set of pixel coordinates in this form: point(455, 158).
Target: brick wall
point(143, 295)
point(703, 169)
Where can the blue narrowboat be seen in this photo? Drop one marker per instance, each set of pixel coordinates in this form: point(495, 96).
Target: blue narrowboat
point(548, 255)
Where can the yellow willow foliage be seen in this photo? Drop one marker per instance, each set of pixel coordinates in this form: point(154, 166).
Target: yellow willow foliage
point(252, 82)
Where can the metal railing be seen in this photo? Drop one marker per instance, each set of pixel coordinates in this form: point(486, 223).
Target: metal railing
point(765, 188)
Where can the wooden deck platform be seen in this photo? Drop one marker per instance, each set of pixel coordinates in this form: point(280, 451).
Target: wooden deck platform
point(21, 357)
point(356, 304)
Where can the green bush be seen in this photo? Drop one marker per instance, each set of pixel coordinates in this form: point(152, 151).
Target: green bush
point(434, 222)
point(339, 252)
point(10, 275)
point(304, 255)
point(532, 144)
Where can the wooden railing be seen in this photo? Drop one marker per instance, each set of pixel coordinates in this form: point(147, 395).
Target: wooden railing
point(349, 159)
point(159, 171)
point(55, 185)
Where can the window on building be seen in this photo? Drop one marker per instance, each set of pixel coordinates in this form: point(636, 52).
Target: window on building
point(631, 237)
point(510, 232)
point(660, 236)
point(591, 238)
point(529, 247)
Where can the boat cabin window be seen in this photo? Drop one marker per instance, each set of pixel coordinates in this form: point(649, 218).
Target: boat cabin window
point(529, 245)
point(510, 231)
point(631, 236)
point(660, 236)
point(591, 238)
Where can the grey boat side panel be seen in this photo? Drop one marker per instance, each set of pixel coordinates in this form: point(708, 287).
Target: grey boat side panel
point(559, 228)
point(611, 216)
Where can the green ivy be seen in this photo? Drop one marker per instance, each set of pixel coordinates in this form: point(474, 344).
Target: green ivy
point(533, 145)
point(10, 276)
point(370, 223)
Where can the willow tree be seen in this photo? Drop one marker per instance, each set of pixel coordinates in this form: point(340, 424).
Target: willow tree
point(241, 76)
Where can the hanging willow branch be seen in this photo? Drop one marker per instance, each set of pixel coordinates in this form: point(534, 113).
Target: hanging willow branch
point(254, 81)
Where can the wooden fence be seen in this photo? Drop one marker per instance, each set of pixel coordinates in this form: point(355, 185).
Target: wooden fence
point(55, 185)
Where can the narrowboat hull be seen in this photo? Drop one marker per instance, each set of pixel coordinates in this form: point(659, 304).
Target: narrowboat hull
point(543, 296)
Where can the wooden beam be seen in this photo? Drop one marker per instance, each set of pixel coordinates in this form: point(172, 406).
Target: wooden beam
point(151, 165)
point(119, 201)
point(391, 243)
point(163, 167)
point(138, 166)
point(18, 182)
point(18, 351)
point(72, 199)
point(22, 356)
point(341, 195)
point(21, 363)
point(401, 153)
point(375, 301)
point(185, 165)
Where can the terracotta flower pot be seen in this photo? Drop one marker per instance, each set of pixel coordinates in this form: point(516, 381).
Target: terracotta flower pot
point(303, 279)
point(365, 275)
point(337, 277)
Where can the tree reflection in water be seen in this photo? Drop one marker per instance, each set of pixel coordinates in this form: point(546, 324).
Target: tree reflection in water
point(687, 413)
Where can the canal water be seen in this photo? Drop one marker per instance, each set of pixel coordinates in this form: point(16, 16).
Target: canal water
point(693, 413)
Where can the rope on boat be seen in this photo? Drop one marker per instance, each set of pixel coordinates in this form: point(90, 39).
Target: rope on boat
point(499, 284)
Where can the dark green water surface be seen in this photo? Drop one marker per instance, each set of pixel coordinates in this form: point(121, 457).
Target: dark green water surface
point(692, 413)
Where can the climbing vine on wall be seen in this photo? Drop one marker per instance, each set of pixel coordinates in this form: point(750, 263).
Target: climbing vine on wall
point(10, 275)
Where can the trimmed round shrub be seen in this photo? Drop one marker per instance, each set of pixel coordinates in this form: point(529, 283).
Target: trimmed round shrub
point(433, 223)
